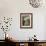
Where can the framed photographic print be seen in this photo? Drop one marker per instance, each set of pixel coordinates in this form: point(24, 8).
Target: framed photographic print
point(26, 20)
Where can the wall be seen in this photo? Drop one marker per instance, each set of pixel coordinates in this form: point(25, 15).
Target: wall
point(13, 8)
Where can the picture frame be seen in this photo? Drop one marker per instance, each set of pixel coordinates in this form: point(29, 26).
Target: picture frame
point(26, 20)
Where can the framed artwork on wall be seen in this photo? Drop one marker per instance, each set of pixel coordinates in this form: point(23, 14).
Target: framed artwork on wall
point(26, 20)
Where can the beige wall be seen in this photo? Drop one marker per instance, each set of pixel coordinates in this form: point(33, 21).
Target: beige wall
point(13, 8)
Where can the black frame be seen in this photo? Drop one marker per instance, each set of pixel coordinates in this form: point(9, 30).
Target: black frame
point(31, 15)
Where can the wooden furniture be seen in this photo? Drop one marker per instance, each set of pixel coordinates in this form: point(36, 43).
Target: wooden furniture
point(42, 44)
point(27, 43)
point(2, 43)
point(22, 43)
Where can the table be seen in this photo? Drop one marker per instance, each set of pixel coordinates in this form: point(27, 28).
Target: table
point(27, 42)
